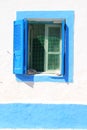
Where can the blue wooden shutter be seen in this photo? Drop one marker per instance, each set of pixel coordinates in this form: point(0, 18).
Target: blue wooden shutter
point(19, 47)
point(26, 33)
point(63, 48)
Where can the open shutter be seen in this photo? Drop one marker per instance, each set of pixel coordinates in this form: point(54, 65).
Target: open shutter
point(18, 48)
point(26, 33)
point(63, 50)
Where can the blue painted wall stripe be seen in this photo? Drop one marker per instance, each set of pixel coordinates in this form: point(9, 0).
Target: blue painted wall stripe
point(43, 116)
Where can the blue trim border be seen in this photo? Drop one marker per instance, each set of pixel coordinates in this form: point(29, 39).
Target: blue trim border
point(47, 116)
point(69, 16)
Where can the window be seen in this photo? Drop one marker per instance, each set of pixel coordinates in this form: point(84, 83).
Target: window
point(42, 44)
point(39, 46)
point(45, 47)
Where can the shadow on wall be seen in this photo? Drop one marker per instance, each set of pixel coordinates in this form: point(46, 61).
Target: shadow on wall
point(30, 84)
point(28, 79)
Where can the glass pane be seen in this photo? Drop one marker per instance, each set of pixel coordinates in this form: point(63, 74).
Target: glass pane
point(37, 47)
point(53, 61)
point(53, 39)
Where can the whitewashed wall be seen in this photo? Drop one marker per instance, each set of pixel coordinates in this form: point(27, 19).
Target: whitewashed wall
point(13, 91)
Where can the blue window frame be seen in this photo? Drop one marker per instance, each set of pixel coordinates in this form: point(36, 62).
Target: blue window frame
point(21, 47)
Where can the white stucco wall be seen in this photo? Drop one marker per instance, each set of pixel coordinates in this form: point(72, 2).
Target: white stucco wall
point(13, 91)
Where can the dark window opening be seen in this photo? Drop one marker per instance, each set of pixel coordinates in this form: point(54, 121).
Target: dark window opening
point(44, 47)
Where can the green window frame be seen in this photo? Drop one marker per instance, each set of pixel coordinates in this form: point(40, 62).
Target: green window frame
point(54, 50)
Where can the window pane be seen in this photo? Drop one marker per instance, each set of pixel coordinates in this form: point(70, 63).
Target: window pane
point(53, 61)
point(37, 47)
point(53, 39)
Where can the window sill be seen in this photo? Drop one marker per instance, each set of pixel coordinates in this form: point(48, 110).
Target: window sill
point(41, 78)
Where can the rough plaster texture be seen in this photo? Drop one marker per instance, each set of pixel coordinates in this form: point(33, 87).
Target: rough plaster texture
point(12, 91)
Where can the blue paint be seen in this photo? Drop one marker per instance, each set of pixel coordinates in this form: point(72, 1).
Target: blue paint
point(63, 48)
point(38, 78)
point(26, 46)
point(44, 14)
point(18, 47)
point(69, 16)
point(43, 116)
